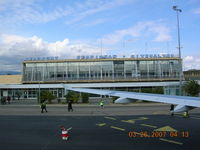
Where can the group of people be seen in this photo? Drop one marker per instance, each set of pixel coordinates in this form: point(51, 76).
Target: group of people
point(5, 100)
point(44, 108)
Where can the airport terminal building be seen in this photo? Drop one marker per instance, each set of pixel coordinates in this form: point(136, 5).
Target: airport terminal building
point(93, 72)
point(100, 70)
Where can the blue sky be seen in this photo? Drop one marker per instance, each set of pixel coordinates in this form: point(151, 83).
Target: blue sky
point(67, 28)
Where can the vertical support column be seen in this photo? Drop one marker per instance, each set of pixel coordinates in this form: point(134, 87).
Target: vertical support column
point(35, 72)
point(55, 66)
point(89, 63)
point(113, 71)
point(32, 73)
point(147, 69)
point(65, 90)
point(27, 93)
point(78, 70)
point(23, 72)
point(101, 70)
point(66, 70)
point(39, 93)
point(46, 72)
point(160, 72)
point(124, 70)
point(43, 72)
point(136, 69)
point(170, 70)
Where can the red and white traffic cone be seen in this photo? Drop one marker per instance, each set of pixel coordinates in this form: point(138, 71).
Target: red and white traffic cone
point(65, 134)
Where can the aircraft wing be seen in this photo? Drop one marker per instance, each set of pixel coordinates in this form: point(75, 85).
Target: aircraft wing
point(184, 102)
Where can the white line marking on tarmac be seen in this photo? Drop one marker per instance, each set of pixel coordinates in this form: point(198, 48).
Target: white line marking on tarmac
point(171, 141)
point(111, 118)
point(128, 121)
point(147, 125)
point(117, 128)
point(101, 124)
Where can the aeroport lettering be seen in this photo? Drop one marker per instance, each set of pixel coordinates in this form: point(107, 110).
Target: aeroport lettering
point(41, 58)
point(105, 57)
point(97, 57)
point(132, 56)
point(153, 56)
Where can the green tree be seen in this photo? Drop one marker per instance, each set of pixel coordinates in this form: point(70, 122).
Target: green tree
point(46, 96)
point(85, 97)
point(192, 88)
point(158, 90)
point(146, 90)
point(71, 95)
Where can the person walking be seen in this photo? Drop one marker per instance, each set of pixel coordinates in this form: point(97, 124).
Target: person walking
point(4, 100)
point(172, 109)
point(102, 104)
point(8, 99)
point(70, 106)
point(43, 106)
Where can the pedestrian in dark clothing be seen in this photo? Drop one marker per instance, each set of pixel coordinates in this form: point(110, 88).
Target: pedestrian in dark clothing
point(172, 109)
point(8, 99)
point(4, 100)
point(43, 107)
point(70, 106)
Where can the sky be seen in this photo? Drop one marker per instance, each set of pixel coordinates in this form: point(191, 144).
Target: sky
point(70, 28)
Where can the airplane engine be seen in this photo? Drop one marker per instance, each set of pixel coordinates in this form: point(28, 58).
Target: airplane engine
point(182, 108)
point(123, 100)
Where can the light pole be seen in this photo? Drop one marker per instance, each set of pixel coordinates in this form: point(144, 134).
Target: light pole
point(39, 93)
point(175, 8)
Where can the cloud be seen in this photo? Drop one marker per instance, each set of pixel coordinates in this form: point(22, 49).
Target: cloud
point(160, 32)
point(14, 49)
point(96, 6)
point(96, 22)
point(30, 11)
point(34, 12)
point(191, 62)
point(189, 58)
point(196, 11)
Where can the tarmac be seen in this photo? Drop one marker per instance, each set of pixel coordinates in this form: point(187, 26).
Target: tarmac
point(136, 126)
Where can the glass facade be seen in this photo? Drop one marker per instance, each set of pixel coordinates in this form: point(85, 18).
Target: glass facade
point(116, 69)
point(29, 93)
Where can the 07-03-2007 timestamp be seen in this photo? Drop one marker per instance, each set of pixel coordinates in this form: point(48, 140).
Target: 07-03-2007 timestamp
point(158, 134)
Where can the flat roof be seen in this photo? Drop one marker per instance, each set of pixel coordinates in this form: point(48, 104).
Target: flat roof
point(97, 60)
point(88, 85)
point(191, 71)
point(10, 79)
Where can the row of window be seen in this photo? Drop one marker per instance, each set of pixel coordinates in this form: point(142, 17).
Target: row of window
point(29, 93)
point(100, 70)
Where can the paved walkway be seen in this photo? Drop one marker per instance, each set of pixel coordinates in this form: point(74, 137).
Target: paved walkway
point(151, 132)
point(31, 108)
point(35, 103)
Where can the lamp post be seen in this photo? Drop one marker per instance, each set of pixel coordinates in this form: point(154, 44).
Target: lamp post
point(175, 8)
point(39, 93)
